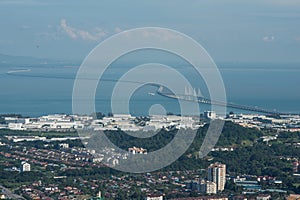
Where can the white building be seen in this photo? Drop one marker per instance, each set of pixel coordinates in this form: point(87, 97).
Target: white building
point(208, 187)
point(33, 125)
point(64, 145)
point(16, 126)
point(217, 173)
point(210, 115)
point(25, 167)
point(136, 150)
point(55, 117)
point(263, 197)
point(26, 138)
point(154, 197)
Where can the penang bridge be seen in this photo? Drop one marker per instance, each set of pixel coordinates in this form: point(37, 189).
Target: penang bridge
point(189, 95)
point(194, 97)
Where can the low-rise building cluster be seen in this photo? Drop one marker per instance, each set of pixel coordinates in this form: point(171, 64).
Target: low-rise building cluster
point(288, 123)
point(125, 122)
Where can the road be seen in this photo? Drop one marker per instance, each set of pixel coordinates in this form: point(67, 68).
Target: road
point(9, 194)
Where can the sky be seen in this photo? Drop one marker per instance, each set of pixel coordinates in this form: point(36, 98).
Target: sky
point(254, 31)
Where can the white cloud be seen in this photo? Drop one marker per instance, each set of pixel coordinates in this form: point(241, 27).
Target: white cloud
point(118, 30)
point(260, 2)
point(28, 2)
point(69, 30)
point(282, 2)
point(25, 27)
point(75, 33)
point(49, 35)
point(268, 38)
point(297, 38)
point(99, 33)
point(160, 34)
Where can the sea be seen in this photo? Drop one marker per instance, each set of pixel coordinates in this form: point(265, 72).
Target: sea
point(41, 89)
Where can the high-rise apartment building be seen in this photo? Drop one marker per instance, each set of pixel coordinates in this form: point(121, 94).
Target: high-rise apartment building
point(217, 173)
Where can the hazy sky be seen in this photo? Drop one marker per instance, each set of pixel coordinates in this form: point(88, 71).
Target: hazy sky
point(230, 30)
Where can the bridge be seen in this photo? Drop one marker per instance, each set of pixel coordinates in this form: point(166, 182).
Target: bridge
point(193, 97)
point(190, 94)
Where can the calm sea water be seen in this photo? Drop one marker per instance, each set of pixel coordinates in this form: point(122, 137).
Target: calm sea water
point(39, 90)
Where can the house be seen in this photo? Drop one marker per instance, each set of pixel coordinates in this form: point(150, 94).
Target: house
point(263, 197)
point(25, 167)
point(154, 197)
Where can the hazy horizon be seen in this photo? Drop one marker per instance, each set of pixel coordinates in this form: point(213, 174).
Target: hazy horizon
point(231, 31)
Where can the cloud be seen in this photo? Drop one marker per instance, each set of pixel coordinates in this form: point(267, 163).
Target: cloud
point(28, 2)
point(161, 34)
point(98, 33)
point(282, 2)
point(268, 38)
point(297, 38)
point(25, 27)
point(69, 30)
point(49, 35)
point(118, 30)
point(75, 33)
